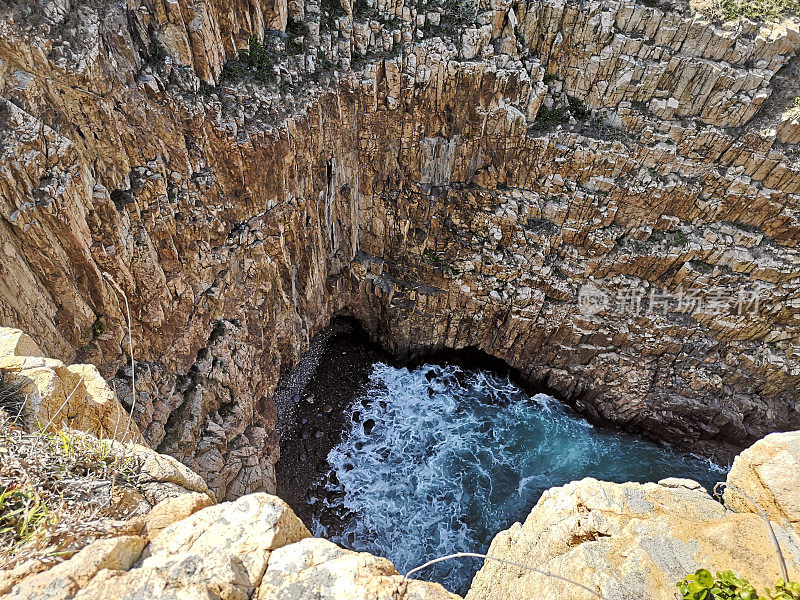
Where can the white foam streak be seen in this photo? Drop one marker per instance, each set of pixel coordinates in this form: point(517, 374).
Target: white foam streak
point(455, 456)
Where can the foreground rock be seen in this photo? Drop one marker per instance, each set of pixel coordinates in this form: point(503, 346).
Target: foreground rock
point(628, 542)
point(317, 568)
point(57, 395)
point(252, 548)
point(769, 473)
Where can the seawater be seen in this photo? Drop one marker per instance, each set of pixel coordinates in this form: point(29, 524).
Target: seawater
point(440, 459)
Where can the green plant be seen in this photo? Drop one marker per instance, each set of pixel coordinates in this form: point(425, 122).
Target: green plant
point(701, 266)
point(457, 14)
point(57, 490)
point(549, 117)
point(22, 513)
point(701, 585)
point(97, 329)
point(331, 11)
point(436, 260)
point(256, 62)
point(577, 107)
point(361, 10)
point(156, 51)
point(296, 31)
point(758, 10)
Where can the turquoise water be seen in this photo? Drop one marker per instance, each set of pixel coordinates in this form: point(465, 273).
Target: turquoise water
point(440, 459)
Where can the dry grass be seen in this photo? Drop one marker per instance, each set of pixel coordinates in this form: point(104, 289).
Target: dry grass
point(58, 492)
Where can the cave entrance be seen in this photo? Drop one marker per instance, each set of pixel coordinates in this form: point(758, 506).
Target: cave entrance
point(415, 461)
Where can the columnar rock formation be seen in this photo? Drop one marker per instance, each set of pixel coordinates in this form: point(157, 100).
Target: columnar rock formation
point(603, 194)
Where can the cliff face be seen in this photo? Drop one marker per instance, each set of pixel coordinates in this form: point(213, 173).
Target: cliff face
point(603, 195)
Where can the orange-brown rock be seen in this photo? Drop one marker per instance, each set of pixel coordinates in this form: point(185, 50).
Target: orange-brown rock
point(603, 194)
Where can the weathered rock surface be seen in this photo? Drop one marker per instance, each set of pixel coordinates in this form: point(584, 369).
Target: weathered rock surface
point(58, 396)
point(767, 472)
point(629, 541)
point(254, 547)
point(602, 194)
point(317, 568)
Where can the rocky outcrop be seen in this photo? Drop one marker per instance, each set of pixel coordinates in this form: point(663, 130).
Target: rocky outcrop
point(637, 540)
point(604, 195)
point(57, 396)
point(252, 548)
point(318, 568)
point(629, 541)
point(764, 476)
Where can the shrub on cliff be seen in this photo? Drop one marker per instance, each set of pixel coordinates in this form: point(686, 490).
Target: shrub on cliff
point(701, 585)
point(757, 10)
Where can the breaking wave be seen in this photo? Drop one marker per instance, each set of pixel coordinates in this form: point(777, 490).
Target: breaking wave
point(440, 459)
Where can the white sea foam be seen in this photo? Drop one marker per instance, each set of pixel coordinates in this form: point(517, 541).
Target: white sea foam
point(441, 459)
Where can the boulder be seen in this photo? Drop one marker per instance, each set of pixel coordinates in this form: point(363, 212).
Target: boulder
point(628, 541)
point(57, 395)
point(64, 580)
point(317, 568)
point(220, 552)
point(767, 473)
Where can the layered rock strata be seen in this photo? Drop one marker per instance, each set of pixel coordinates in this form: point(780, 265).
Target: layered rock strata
point(603, 194)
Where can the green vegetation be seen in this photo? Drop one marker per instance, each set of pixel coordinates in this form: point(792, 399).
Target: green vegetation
point(56, 491)
point(577, 107)
point(97, 329)
point(638, 246)
point(156, 52)
point(701, 585)
point(331, 11)
point(758, 10)
point(701, 266)
point(680, 239)
point(436, 260)
point(361, 10)
point(457, 14)
point(550, 117)
point(296, 31)
point(257, 62)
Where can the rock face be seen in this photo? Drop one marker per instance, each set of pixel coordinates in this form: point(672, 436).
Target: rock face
point(629, 541)
point(57, 395)
point(317, 568)
point(767, 473)
point(252, 548)
point(602, 194)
